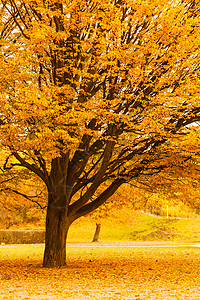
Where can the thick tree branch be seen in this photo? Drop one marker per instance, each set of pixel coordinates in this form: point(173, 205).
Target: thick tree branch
point(30, 198)
point(30, 167)
point(86, 209)
point(97, 179)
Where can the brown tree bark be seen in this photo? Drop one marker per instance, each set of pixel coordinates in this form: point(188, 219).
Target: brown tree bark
point(57, 219)
point(55, 238)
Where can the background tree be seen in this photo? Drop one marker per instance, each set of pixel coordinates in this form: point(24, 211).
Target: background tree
point(92, 92)
point(125, 196)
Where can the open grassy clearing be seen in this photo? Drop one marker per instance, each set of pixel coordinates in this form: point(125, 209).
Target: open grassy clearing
point(138, 226)
point(101, 273)
point(134, 226)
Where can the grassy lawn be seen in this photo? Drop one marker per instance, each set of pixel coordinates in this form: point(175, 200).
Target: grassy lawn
point(138, 227)
point(134, 226)
point(101, 273)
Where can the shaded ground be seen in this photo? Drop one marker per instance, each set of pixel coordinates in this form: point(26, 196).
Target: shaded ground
point(97, 272)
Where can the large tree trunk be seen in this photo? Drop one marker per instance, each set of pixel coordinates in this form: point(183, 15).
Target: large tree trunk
point(57, 220)
point(57, 226)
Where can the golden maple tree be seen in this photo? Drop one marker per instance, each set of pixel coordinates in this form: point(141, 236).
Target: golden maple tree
point(95, 91)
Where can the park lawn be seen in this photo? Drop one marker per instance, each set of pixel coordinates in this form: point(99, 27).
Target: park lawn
point(134, 226)
point(100, 272)
point(138, 226)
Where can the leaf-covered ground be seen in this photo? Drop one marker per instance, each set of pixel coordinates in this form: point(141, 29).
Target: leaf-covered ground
point(100, 272)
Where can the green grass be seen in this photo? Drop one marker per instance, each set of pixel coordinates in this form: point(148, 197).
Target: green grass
point(130, 225)
point(24, 252)
point(35, 252)
point(141, 227)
